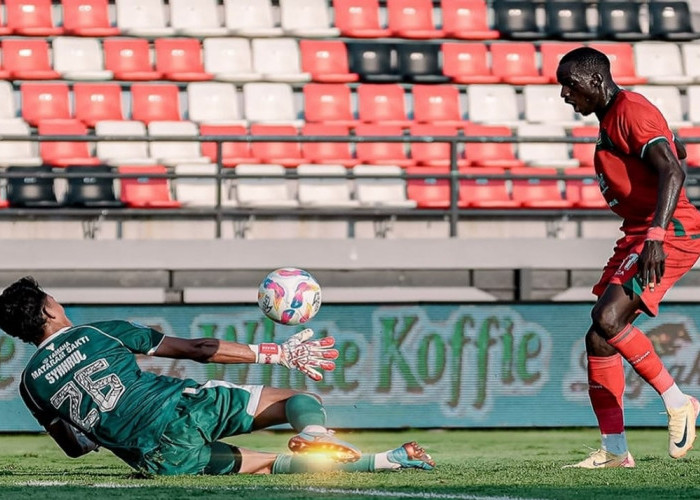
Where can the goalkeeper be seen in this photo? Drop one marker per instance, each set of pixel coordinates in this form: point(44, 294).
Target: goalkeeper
point(84, 386)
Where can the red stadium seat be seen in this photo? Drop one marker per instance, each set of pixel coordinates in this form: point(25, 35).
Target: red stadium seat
point(31, 18)
point(27, 59)
point(64, 154)
point(181, 59)
point(359, 19)
point(622, 62)
point(551, 53)
point(438, 105)
point(333, 153)
point(328, 103)
point(287, 154)
point(232, 153)
point(44, 101)
point(4, 29)
point(482, 192)
point(429, 192)
point(692, 149)
point(129, 59)
point(433, 154)
point(87, 18)
point(326, 61)
point(490, 154)
point(583, 152)
point(155, 102)
point(413, 19)
point(381, 153)
point(467, 20)
point(97, 101)
point(516, 63)
point(536, 192)
point(467, 63)
point(382, 103)
point(584, 192)
point(146, 192)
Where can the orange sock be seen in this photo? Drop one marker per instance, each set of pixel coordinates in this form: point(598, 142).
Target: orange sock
point(638, 350)
point(606, 385)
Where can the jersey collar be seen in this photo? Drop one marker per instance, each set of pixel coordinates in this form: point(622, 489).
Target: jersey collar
point(52, 336)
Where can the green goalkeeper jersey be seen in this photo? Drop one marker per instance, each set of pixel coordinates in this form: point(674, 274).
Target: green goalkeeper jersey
point(87, 375)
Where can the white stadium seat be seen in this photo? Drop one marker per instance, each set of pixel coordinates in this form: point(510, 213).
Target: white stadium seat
point(381, 186)
point(251, 18)
point(214, 103)
point(263, 186)
point(328, 192)
point(660, 63)
point(668, 100)
point(493, 104)
point(229, 60)
point(143, 18)
point(200, 191)
point(79, 59)
point(196, 18)
point(270, 103)
point(545, 155)
point(122, 153)
point(17, 154)
point(278, 60)
point(543, 104)
point(171, 153)
point(307, 19)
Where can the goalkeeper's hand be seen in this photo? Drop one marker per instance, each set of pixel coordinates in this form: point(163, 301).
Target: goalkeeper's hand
point(298, 352)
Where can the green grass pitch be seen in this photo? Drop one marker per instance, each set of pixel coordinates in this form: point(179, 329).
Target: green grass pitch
point(472, 464)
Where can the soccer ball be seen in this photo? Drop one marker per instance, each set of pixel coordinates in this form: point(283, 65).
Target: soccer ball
point(289, 296)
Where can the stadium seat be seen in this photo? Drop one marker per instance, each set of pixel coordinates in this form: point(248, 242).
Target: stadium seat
point(693, 96)
point(129, 59)
point(516, 63)
point(467, 20)
point(332, 191)
point(381, 153)
point(660, 63)
point(4, 29)
point(383, 104)
point(692, 149)
point(420, 63)
point(584, 191)
point(44, 101)
point(535, 191)
point(171, 153)
point(232, 153)
point(8, 111)
point(287, 154)
point(278, 60)
point(619, 20)
point(374, 62)
point(551, 53)
point(16, 153)
point(329, 104)
point(483, 189)
point(668, 100)
point(214, 102)
point(412, 19)
point(229, 60)
point(31, 18)
point(270, 103)
point(307, 19)
point(63, 154)
point(543, 104)
point(201, 191)
point(122, 153)
point(27, 59)
point(428, 191)
point(622, 63)
point(145, 191)
point(79, 59)
point(433, 154)
point(517, 19)
point(251, 18)
point(196, 18)
point(143, 18)
point(546, 155)
point(490, 154)
point(467, 63)
point(691, 60)
point(437, 105)
point(263, 186)
point(671, 21)
point(155, 102)
point(566, 20)
point(335, 153)
point(97, 101)
point(87, 18)
point(31, 190)
point(326, 61)
point(180, 59)
point(584, 151)
point(493, 104)
point(88, 189)
point(359, 19)
point(380, 186)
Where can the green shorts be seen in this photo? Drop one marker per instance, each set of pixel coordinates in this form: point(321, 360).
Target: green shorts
point(205, 414)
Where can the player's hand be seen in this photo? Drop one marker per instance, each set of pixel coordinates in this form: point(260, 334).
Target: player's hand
point(652, 264)
point(309, 356)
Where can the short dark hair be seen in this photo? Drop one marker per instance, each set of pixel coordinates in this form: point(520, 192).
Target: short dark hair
point(588, 59)
point(21, 310)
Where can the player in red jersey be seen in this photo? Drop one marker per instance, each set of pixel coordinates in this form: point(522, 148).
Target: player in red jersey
point(641, 177)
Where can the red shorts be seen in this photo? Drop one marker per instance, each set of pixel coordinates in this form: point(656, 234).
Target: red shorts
point(621, 269)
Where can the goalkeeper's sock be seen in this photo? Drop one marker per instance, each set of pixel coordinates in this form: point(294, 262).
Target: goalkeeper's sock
point(296, 464)
point(304, 409)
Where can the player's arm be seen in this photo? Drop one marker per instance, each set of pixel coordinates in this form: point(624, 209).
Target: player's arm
point(680, 148)
point(72, 441)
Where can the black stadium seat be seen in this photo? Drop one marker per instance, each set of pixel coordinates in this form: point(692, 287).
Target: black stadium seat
point(374, 62)
point(89, 191)
point(31, 191)
point(671, 21)
point(420, 63)
point(619, 20)
point(516, 19)
point(567, 21)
